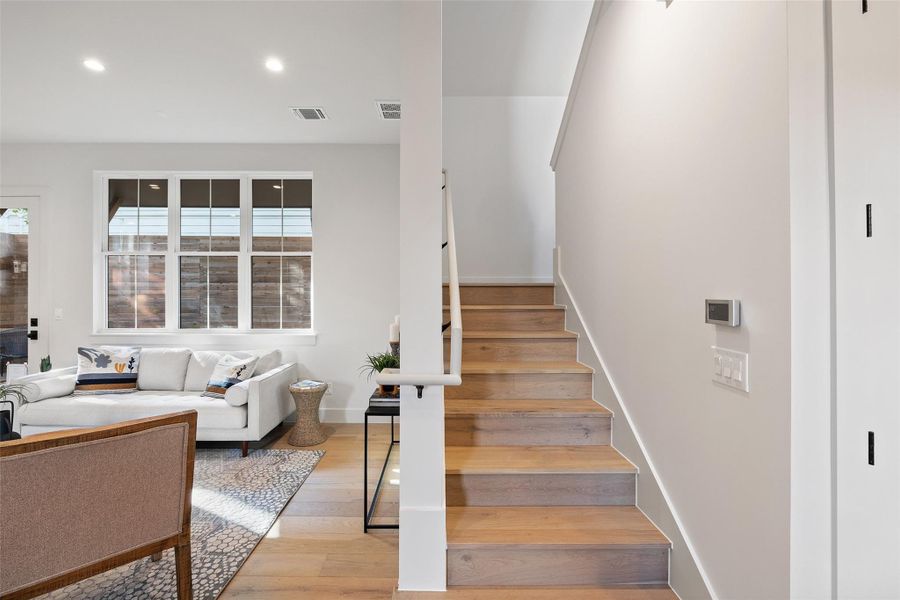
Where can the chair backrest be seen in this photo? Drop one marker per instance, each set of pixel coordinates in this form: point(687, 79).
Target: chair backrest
point(76, 503)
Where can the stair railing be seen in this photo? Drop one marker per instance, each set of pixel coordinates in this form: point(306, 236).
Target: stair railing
point(454, 376)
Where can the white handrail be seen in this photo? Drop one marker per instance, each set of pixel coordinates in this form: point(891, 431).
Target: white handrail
point(454, 377)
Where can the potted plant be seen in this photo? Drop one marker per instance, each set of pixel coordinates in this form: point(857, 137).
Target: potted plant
point(11, 394)
point(376, 363)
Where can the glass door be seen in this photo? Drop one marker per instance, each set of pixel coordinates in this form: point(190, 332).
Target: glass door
point(21, 339)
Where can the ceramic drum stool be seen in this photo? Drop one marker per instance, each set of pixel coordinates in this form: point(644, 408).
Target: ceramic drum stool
point(308, 431)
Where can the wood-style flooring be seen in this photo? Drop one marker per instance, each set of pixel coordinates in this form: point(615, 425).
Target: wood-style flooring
point(317, 550)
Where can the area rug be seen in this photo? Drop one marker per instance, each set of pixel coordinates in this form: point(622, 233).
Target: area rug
point(235, 502)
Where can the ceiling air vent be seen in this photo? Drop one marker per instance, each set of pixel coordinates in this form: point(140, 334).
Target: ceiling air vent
point(309, 114)
point(389, 109)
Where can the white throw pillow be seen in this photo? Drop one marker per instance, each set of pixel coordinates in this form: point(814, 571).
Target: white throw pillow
point(239, 393)
point(229, 371)
point(163, 369)
point(201, 365)
point(107, 369)
point(268, 360)
point(52, 387)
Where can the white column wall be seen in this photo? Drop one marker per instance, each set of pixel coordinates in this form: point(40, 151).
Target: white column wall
point(423, 540)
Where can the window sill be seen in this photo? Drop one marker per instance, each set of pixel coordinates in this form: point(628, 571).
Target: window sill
point(267, 338)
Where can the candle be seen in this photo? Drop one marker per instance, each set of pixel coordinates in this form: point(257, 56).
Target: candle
point(394, 333)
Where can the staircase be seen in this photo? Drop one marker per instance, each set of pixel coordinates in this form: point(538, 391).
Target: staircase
point(539, 504)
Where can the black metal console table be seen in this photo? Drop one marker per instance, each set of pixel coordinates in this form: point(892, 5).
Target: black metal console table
point(368, 510)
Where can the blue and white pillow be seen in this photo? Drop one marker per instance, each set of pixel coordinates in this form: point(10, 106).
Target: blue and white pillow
point(229, 371)
point(107, 370)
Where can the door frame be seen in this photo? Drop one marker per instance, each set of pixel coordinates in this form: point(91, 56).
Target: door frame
point(34, 199)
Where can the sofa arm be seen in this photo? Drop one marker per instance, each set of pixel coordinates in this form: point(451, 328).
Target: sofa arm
point(49, 384)
point(269, 400)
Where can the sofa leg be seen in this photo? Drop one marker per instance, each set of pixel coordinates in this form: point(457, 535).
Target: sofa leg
point(245, 449)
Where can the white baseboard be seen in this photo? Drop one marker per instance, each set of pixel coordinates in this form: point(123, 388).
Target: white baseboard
point(504, 279)
point(344, 415)
point(625, 414)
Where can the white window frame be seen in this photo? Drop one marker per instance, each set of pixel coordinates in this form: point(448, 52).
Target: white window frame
point(172, 257)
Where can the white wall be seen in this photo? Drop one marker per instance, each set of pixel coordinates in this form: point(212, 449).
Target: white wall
point(355, 211)
point(497, 150)
point(672, 187)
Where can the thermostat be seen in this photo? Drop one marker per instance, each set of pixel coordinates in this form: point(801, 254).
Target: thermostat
point(723, 312)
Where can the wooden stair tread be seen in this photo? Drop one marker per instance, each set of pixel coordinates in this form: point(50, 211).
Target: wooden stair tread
point(512, 335)
point(536, 366)
point(558, 526)
point(531, 460)
point(648, 592)
point(509, 307)
point(531, 408)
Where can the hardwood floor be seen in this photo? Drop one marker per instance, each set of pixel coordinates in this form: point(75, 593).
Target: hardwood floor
point(317, 549)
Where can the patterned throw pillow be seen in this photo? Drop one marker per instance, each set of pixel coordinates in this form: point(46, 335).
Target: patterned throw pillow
point(107, 370)
point(229, 371)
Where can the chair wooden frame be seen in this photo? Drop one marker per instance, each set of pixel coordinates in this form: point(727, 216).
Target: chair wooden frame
point(181, 541)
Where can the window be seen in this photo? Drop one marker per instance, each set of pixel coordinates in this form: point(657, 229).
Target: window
point(281, 261)
point(206, 252)
point(210, 243)
point(137, 215)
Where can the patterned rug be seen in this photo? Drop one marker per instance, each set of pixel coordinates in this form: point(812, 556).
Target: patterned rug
point(235, 501)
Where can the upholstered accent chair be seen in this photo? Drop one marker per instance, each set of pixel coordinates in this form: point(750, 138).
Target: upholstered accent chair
point(79, 502)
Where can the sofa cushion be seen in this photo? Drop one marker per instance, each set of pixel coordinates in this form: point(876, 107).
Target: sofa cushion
point(201, 365)
point(229, 371)
point(107, 369)
point(51, 387)
point(106, 409)
point(268, 360)
point(163, 369)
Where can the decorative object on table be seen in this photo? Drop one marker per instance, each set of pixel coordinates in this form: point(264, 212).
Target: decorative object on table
point(229, 371)
point(12, 394)
point(394, 337)
point(376, 363)
point(369, 509)
point(308, 431)
point(379, 399)
point(46, 365)
point(235, 503)
point(107, 370)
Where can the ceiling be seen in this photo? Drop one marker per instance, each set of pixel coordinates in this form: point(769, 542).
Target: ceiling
point(512, 47)
point(192, 71)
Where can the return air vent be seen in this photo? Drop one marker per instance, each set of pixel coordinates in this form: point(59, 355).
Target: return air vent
point(389, 109)
point(309, 114)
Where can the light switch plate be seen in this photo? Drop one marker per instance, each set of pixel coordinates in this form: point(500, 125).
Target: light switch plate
point(731, 368)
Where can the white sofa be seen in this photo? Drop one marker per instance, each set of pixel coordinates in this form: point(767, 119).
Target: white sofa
point(169, 380)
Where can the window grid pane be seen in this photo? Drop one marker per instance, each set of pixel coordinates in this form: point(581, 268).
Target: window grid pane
point(296, 288)
point(266, 292)
point(209, 292)
point(150, 297)
point(136, 292)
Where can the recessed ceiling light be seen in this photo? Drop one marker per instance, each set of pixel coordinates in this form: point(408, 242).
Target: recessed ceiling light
point(275, 65)
point(94, 65)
